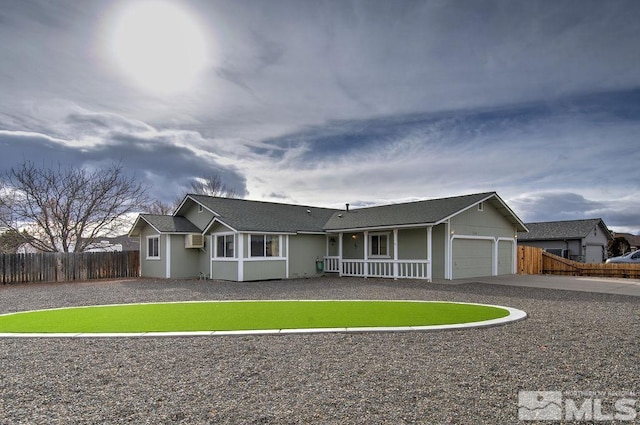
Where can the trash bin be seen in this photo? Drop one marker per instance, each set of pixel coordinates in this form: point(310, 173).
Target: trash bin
point(319, 266)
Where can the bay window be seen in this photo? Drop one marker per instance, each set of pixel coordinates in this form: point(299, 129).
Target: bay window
point(225, 246)
point(265, 246)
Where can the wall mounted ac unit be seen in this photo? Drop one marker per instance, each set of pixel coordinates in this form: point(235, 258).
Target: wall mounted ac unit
point(193, 240)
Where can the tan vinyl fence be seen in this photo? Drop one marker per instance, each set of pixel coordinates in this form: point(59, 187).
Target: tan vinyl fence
point(63, 267)
point(536, 261)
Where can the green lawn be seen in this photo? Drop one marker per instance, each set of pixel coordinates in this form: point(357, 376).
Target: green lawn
point(244, 315)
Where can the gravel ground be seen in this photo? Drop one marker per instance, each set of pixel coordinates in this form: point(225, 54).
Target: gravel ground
point(572, 341)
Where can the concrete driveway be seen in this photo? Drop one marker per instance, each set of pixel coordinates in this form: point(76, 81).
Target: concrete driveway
point(569, 283)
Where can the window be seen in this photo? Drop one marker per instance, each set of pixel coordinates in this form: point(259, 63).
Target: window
point(225, 246)
point(481, 206)
point(265, 246)
point(153, 247)
point(379, 245)
point(200, 208)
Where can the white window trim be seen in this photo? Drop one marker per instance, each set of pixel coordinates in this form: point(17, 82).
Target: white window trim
point(215, 246)
point(149, 257)
point(371, 254)
point(264, 257)
point(481, 206)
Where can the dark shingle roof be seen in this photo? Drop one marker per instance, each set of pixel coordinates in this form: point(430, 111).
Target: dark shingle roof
point(420, 212)
point(170, 224)
point(634, 240)
point(248, 216)
point(570, 229)
point(244, 215)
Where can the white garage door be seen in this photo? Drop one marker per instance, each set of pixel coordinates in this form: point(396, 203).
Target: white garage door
point(472, 258)
point(594, 254)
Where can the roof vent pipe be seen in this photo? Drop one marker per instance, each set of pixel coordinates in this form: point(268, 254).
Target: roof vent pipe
point(347, 207)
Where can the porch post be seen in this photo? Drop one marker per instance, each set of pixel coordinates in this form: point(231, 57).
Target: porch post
point(211, 248)
point(240, 257)
point(167, 259)
point(366, 253)
point(340, 236)
point(286, 261)
point(448, 265)
point(395, 254)
point(429, 256)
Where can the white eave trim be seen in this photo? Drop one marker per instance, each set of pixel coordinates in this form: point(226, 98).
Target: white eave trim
point(217, 220)
point(389, 227)
point(135, 225)
point(196, 202)
point(262, 232)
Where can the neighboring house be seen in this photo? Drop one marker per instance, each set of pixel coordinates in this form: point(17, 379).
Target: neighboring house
point(634, 240)
point(241, 240)
point(585, 241)
point(115, 244)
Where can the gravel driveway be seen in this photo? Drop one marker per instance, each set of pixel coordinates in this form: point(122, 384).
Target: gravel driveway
point(572, 341)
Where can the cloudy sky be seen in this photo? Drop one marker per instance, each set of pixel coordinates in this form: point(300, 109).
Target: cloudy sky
point(327, 102)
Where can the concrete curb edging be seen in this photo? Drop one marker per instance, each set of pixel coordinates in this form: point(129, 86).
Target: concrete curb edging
point(513, 316)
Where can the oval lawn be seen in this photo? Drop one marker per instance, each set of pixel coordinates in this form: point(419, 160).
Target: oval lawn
point(254, 316)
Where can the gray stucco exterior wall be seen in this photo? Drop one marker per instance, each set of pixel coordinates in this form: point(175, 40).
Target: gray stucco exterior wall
point(438, 241)
point(200, 218)
point(185, 262)
point(225, 270)
point(152, 267)
point(304, 250)
point(412, 244)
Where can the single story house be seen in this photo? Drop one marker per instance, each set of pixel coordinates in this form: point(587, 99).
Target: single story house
point(585, 241)
point(242, 240)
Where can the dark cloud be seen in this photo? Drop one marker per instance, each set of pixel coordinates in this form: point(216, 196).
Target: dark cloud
point(160, 159)
point(463, 127)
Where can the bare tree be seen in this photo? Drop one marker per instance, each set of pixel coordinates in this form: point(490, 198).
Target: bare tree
point(66, 209)
point(162, 208)
point(212, 185)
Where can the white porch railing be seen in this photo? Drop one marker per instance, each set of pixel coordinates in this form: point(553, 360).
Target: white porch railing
point(396, 269)
point(332, 264)
point(414, 269)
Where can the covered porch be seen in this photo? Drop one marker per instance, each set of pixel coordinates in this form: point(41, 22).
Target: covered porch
point(388, 253)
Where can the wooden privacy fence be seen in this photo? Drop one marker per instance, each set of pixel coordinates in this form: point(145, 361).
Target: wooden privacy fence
point(61, 266)
point(529, 260)
point(537, 261)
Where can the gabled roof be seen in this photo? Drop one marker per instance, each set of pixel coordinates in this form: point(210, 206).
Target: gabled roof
point(246, 216)
point(256, 216)
point(432, 211)
point(569, 229)
point(164, 224)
